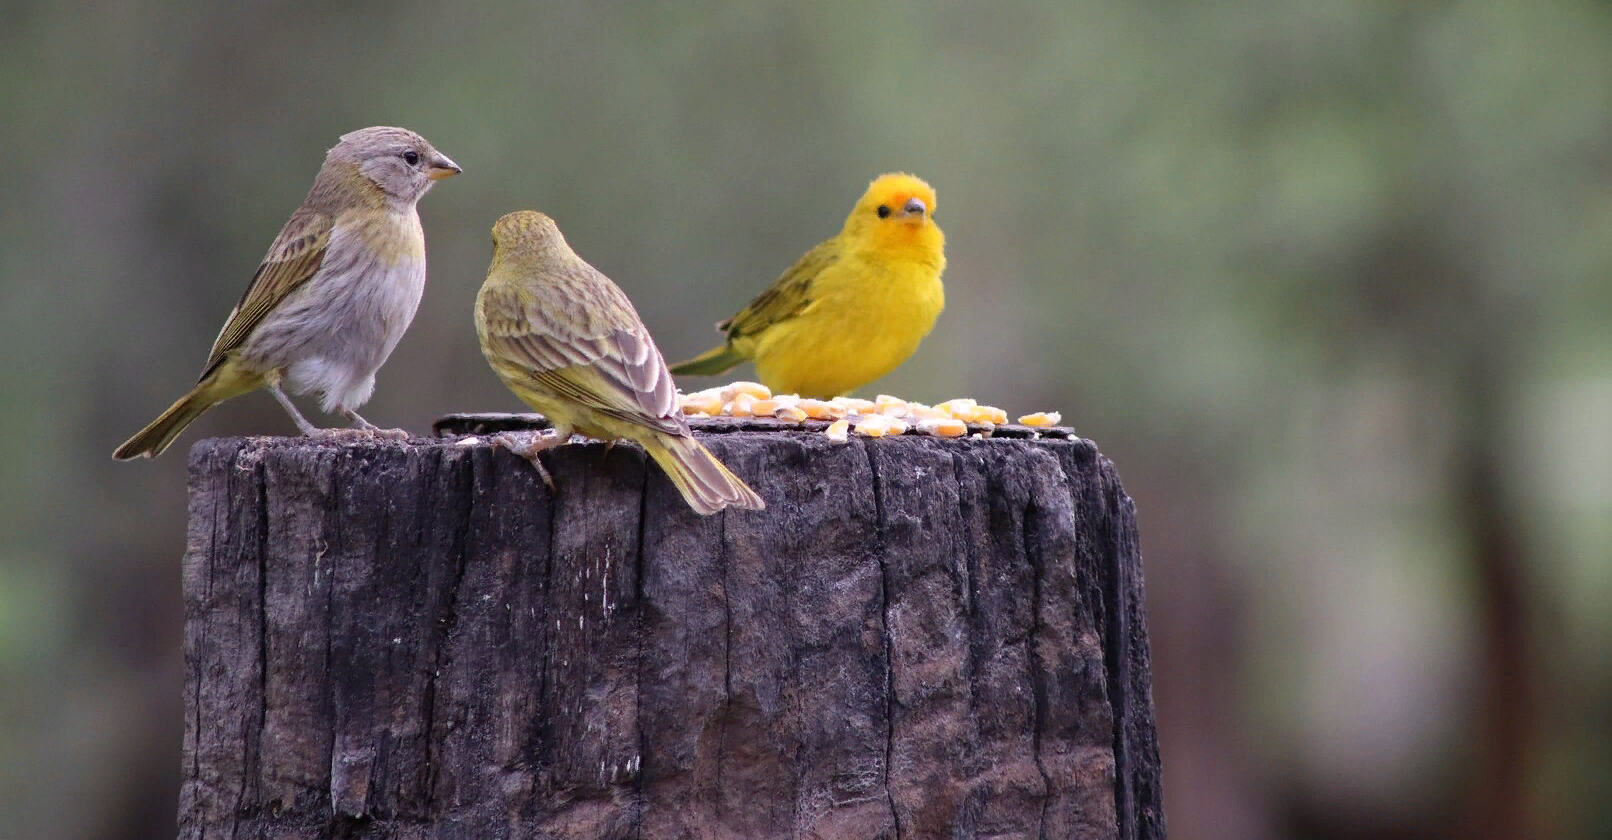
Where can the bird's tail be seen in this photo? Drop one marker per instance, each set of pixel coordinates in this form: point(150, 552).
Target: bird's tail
point(706, 485)
point(710, 363)
point(219, 385)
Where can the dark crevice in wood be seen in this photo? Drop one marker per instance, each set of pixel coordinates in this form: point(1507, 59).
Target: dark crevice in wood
point(1038, 681)
point(254, 736)
point(348, 827)
point(1117, 659)
point(725, 710)
point(332, 714)
point(884, 627)
point(970, 566)
point(440, 630)
point(639, 804)
point(544, 729)
point(192, 669)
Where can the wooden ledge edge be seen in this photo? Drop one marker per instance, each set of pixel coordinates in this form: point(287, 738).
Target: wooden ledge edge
point(453, 425)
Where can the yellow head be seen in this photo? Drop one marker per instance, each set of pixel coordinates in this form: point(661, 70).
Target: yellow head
point(897, 211)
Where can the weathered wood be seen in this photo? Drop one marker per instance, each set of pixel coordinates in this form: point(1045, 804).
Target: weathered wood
point(918, 638)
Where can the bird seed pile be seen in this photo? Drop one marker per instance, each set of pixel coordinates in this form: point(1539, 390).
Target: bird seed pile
point(880, 416)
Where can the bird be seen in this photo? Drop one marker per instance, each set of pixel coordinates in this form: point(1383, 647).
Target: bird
point(853, 308)
point(568, 342)
point(336, 291)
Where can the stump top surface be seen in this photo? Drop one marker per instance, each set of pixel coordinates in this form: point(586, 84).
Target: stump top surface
point(488, 423)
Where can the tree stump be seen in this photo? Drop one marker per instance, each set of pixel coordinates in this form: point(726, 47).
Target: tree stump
point(918, 638)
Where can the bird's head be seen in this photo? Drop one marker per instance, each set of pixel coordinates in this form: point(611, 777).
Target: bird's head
point(397, 161)
point(897, 208)
point(526, 230)
point(527, 240)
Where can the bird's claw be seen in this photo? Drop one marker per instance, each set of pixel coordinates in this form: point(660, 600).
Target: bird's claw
point(530, 445)
point(363, 433)
point(368, 429)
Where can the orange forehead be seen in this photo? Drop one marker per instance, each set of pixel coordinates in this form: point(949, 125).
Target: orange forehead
point(894, 190)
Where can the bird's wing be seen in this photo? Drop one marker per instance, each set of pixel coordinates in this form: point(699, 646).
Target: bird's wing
point(294, 257)
point(610, 365)
point(787, 297)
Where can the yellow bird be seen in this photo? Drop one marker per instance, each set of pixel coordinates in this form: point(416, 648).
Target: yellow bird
point(853, 308)
point(567, 341)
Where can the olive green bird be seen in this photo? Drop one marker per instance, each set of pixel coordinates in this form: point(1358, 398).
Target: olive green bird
point(567, 341)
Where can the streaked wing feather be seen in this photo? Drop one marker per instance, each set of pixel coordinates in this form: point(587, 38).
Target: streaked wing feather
point(619, 373)
point(639, 362)
point(294, 257)
point(786, 297)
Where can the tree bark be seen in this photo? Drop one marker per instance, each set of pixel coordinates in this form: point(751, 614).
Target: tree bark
point(918, 638)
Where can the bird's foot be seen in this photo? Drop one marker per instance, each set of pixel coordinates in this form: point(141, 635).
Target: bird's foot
point(356, 433)
point(370, 430)
point(530, 445)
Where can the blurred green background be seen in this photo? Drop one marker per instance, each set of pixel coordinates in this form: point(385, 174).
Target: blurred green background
point(1328, 281)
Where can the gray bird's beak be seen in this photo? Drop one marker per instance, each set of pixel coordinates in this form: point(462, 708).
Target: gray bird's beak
point(441, 168)
point(913, 207)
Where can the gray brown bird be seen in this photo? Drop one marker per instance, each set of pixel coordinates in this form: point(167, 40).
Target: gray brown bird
point(337, 290)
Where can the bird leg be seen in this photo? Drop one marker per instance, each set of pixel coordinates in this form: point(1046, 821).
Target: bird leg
point(529, 445)
point(365, 427)
point(361, 427)
point(307, 428)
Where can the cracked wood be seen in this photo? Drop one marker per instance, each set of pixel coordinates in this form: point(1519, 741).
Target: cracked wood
point(918, 638)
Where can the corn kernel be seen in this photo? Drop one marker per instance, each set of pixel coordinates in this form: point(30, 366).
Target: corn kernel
point(923, 412)
point(1041, 418)
point(702, 404)
point(740, 405)
point(852, 405)
point(756, 390)
point(982, 414)
point(956, 407)
point(819, 409)
point(792, 413)
point(943, 427)
point(838, 431)
point(763, 408)
point(874, 425)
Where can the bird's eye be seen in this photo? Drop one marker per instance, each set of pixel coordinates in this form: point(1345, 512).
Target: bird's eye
point(884, 212)
point(411, 157)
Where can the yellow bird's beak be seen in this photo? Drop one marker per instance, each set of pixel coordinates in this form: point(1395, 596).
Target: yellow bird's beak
point(441, 168)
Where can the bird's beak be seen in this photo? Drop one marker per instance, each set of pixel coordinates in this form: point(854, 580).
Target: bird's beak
point(441, 168)
point(913, 208)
